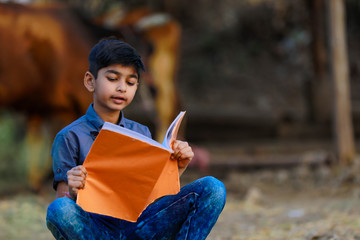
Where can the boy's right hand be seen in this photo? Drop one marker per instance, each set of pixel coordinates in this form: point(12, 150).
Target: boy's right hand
point(76, 180)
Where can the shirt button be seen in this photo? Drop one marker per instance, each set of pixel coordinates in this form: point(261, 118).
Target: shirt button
point(58, 170)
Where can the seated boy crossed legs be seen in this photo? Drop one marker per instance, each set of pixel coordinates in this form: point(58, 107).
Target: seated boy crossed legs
point(113, 78)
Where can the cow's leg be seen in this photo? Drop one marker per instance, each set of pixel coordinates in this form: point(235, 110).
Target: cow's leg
point(165, 99)
point(35, 152)
point(163, 66)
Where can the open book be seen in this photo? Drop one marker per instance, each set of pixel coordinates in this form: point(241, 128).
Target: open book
point(127, 171)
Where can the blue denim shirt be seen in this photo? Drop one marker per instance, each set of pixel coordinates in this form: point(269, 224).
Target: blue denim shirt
point(72, 143)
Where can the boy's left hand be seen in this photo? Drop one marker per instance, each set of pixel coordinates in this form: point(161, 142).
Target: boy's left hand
point(182, 153)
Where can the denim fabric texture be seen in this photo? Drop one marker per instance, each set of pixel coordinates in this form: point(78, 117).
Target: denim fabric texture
point(190, 215)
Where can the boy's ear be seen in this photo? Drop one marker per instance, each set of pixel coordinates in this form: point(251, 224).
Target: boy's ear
point(89, 81)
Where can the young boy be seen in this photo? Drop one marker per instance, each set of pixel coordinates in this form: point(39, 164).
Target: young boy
point(113, 78)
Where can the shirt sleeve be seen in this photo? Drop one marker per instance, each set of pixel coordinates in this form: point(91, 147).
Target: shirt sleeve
point(64, 154)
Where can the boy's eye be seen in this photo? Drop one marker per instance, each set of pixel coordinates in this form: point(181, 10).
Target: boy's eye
point(111, 79)
point(131, 83)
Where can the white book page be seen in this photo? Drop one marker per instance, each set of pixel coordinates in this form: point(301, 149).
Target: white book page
point(116, 128)
point(169, 132)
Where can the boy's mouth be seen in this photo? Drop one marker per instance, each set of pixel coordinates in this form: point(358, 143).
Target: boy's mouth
point(118, 99)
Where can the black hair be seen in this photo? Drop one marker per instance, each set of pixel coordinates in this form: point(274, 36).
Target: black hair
point(113, 51)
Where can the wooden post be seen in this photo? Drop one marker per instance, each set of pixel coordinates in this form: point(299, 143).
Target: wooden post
point(342, 103)
point(320, 95)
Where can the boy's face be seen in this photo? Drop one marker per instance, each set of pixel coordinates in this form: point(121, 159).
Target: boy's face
point(114, 88)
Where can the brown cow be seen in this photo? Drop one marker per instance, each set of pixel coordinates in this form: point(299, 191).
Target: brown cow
point(43, 58)
point(42, 61)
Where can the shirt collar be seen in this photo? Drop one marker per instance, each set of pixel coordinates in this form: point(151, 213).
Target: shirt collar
point(97, 121)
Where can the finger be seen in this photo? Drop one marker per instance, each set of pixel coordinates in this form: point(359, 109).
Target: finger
point(76, 172)
point(178, 144)
point(179, 147)
point(83, 169)
point(79, 168)
point(73, 179)
point(182, 144)
point(76, 178)
point(187, 154)
point(185, 157)
point(76, 184)
point(184, 150)
point(176, 155)
point(176, 149)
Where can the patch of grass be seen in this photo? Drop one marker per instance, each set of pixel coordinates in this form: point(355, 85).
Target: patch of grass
point(23, 217)
point(11, 136)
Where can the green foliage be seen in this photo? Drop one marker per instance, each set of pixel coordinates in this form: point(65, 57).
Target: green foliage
point(24, 154)
point(10, 138)
point(9, 144)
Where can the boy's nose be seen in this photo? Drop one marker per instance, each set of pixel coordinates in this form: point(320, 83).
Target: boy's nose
point(121, 87)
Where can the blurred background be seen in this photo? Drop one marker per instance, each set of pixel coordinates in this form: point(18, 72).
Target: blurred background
point(270, 89)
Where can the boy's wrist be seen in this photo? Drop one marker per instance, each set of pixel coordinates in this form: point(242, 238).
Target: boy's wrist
point(67, 194)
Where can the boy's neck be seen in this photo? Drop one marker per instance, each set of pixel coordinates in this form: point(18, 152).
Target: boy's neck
point(112, 117)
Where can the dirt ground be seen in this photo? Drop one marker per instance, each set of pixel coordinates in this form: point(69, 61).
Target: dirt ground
point(277, 204)
point(291, 210)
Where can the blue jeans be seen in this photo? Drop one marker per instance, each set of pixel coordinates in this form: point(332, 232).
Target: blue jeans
point(190, 214)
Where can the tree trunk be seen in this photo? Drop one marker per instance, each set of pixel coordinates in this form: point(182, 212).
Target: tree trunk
point(339, 63)
point(320, 86)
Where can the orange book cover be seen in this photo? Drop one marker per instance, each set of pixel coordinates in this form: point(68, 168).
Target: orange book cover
point(127, 171)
